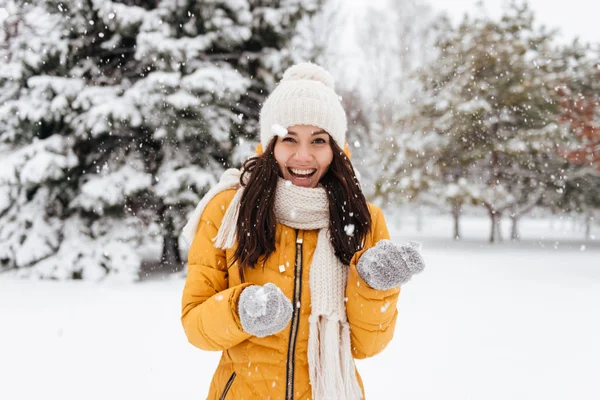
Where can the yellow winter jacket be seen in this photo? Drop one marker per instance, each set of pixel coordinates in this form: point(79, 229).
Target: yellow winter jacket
point(274, 367)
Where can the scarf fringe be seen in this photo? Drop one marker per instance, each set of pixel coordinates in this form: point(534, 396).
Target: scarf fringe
point(314, 364)
point(351, 386)
point(331, 367)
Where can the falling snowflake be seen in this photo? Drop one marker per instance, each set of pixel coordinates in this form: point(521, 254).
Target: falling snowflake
point(279, 130)
point(349, 229)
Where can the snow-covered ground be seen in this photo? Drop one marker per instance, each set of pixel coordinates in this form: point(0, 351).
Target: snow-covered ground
point(508, 321)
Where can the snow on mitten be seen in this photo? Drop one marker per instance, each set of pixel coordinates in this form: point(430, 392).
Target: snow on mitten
point(388, 265)
point(264, 310)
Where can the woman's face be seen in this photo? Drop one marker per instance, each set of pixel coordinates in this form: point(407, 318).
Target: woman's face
point(303, 154)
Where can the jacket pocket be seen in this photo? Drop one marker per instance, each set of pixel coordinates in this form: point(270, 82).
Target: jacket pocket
point(227, 387)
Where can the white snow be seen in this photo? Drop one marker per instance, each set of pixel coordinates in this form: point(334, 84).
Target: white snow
point(279, 130)
point(121, 109)
point(119, 16)
point(219, 81)
point(182, 100)
point(66, 86)
point(40, 236)
point(349, 229)
point(153, 44)
point(220, 122)
point(111, 189)
point(507, 321)
point(5, 200)
point(475, 105)
point(43, 166)
point(175, 184)
point(40, 161)
point(94, 95)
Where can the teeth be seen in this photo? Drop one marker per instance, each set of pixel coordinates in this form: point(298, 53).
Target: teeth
point(302, 171)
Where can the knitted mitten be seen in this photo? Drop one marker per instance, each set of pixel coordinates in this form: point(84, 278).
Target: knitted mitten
point(264, 310)
point(388, 265)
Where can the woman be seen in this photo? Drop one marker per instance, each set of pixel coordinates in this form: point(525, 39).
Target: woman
point(290, 271)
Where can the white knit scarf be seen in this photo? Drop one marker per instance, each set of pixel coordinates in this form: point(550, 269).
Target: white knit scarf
point(330, 361)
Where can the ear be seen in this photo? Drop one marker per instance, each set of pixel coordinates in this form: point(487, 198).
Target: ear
point(347, 150)
point(259, 149)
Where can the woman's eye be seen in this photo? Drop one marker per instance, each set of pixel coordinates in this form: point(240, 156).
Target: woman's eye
point(289, 139)
point(319, 141)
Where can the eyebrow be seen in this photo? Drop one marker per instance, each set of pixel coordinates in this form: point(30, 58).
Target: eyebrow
point(313, 134)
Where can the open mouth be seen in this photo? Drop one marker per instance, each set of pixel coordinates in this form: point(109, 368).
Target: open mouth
point(302, 173)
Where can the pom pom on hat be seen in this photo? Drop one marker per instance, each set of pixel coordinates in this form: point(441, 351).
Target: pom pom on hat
point(309, 71)
point(305, 96)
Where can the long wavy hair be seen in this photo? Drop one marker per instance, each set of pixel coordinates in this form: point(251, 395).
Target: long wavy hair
point(350, 220)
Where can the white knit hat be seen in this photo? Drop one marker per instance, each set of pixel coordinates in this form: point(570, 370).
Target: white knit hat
point(305, 96)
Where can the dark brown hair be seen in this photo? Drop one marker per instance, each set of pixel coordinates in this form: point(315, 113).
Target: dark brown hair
point(350, 220)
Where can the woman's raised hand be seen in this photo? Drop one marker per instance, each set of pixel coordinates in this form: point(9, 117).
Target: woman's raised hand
point(264, 310)
point(389, 265)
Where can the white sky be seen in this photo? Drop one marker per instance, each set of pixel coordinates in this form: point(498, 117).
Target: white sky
point(572, 17)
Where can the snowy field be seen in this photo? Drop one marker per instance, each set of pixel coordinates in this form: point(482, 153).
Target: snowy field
point(508, 321)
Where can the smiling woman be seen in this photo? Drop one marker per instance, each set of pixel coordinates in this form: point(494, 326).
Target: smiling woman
point(290, 272)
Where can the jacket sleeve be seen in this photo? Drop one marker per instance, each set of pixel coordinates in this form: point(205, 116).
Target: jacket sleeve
point(371, 313)
point(209, 306)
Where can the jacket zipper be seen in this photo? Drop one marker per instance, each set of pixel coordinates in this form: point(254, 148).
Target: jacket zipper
point(289, 387)
point(227, 386)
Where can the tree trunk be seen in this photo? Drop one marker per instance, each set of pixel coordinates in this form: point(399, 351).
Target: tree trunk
point(498, 230)
point(170, 257)
point(456, 211)
point(493, 226)
point(495, 235)
point(588, 225)
point(514, 232)
point(170, 253)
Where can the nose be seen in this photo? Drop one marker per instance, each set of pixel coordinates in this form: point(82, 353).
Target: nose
point(303, 154)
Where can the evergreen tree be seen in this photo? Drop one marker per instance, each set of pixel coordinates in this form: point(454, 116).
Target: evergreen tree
point(116, 118)
point(487, 123)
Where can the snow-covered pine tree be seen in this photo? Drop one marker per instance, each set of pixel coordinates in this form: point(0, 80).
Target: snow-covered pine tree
point(489, 108)
point(116, 116)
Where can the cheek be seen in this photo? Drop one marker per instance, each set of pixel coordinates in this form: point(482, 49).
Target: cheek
point(325, 159)
point(281, 156)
